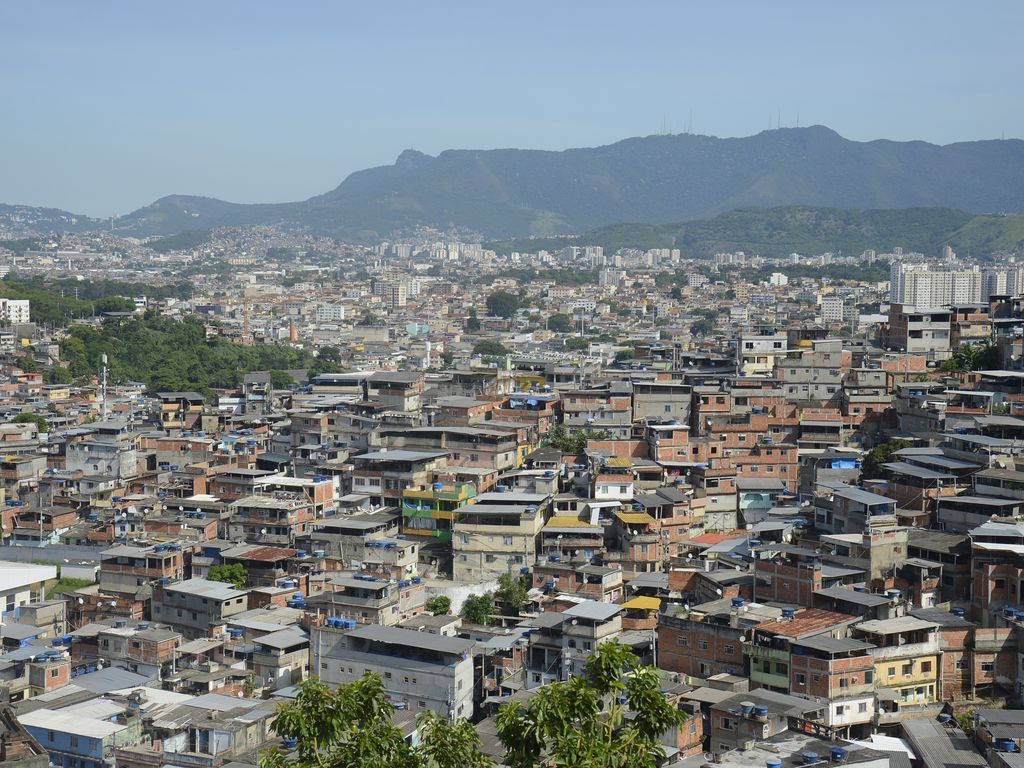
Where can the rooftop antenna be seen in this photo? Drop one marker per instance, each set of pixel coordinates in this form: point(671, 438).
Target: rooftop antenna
point(797, 119)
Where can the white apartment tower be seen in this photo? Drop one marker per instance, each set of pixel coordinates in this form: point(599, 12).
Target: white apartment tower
point(14, 311)
point(916, 283)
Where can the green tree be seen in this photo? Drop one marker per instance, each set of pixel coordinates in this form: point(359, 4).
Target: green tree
point(490, 348)
point(113, 304)
point(32, 418)
point(972, 357)
point(560, 323)
point(511, 594)
point(701, 327)
point(478, 609)
point(329, 359)
point(58, 374)
point(502, 304)
point(879, 455)
point(574, 442)
point(352, 727)
point(28, 364)
point(281, 379)
point(234, 574)
point(611, 717)
point(438, 605)
point(624, 354)
point(447, 359)
point(577, 343)
point(472, 322)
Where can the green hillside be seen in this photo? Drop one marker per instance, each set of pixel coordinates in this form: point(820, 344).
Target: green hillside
point(778, 232)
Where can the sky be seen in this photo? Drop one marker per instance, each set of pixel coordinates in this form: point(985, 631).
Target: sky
point(107, 106)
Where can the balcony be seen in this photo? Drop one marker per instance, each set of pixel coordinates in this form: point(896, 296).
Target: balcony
point(905, 651)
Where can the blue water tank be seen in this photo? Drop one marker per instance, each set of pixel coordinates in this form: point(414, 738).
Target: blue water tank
point(737, 602)
point(789, 613)
point(760, 711)
point(773, 762)
point(838, 754)
point(810, 758)
point(959, 612)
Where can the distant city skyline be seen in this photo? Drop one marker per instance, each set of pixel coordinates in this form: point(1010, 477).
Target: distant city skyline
point(107, 107)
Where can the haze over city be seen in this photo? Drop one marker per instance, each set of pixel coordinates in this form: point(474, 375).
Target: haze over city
point(107, 108)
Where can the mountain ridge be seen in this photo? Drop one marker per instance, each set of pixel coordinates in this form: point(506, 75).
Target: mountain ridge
point(503, 193)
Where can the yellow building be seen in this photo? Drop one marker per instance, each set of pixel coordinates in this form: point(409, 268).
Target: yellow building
point(906, 657)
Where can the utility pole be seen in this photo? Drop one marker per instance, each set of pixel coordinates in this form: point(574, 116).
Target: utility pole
point(103, 404)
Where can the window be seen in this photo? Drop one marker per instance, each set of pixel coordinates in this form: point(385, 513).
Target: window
point(423, 704)
point(862, 707)
point(728, 650)
point(54, 672)
point(926, 666)
point(506, 540)
point(843, 682)
point(782, 669)
point(869, 677)
point(705, 669)
point(1000, 583)
point(840, 709)
point(387, 675)
point(703, 645)
point(801, 678)
point(987, 666)
point(908, 669)
point(683, 642)
point(892, 671)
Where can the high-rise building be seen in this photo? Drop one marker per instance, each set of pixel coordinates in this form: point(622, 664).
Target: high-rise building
point(831, 309)
point(14, 311)
point(916, 283)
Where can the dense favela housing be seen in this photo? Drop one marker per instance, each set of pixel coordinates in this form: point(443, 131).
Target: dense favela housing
point(792, 493)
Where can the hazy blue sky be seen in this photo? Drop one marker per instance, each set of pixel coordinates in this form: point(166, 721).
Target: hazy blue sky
point(106, 106)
